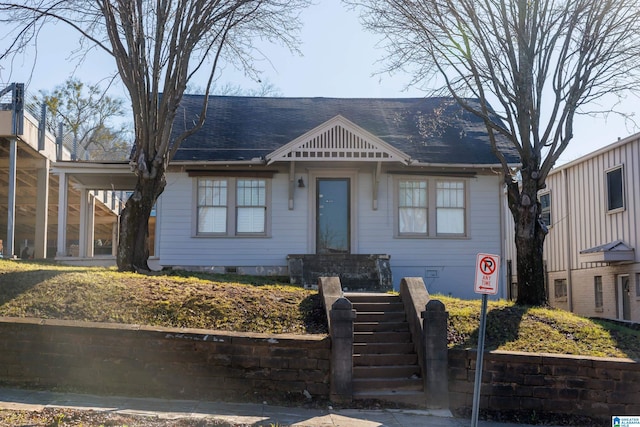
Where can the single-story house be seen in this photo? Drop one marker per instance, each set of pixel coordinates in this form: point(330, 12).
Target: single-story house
point(267, 184)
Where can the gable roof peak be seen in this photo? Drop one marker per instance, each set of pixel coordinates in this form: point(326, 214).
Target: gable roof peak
point(338, 139)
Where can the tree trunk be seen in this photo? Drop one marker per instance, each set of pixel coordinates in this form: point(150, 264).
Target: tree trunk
point(530, 233)
point(133, 245)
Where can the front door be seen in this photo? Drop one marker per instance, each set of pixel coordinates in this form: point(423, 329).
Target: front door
point(333, 211)
point(625, 296)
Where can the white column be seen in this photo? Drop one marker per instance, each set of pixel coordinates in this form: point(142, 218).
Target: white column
point(114, 237)
point(42, 207)
point(8, 250)
point(82, 227)
point(90, 224)
point(62, 215)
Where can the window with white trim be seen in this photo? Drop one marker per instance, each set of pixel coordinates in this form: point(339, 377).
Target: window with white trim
point(231, 206)
point(597, 289)
point(412, 207)
point(212, 206)
point(447, 199)
point(450, 207)
point(560, 289)
point(251, 205)
point(615, 189)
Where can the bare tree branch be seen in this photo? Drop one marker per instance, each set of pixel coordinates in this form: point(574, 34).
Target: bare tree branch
point(532, 64)
point(158, 47)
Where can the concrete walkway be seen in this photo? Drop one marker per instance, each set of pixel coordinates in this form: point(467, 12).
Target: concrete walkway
point(241, 414)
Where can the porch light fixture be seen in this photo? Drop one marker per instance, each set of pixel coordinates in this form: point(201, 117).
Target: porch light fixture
point(301, 183)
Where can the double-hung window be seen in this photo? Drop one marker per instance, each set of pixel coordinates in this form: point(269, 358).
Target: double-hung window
point(450, 218)
point(251, 205)
point(212, 206)
point(431, 207)
point(412, 207)
point(231, 206)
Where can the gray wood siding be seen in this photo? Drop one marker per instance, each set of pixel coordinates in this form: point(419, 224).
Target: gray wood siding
point(446, 264)
point(178, 246)
point(590, 223)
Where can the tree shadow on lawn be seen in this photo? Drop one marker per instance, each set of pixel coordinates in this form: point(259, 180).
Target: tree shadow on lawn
point(13, 284)
point(502, 326)
point(314, 315)
point(625, 334)
point(243, 279)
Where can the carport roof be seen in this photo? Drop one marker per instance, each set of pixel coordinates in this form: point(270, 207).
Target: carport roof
point(115, 176)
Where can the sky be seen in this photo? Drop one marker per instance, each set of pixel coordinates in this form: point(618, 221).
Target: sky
point(339, 59)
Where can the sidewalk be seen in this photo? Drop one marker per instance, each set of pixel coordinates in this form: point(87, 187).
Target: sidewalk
point(242, 414)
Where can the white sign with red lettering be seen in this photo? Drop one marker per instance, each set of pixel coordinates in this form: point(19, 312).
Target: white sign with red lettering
point(487, 268)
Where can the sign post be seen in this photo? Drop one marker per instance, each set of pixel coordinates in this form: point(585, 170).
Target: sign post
point(486, 283)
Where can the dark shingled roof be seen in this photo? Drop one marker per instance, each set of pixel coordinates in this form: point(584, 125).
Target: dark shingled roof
point(430, 130)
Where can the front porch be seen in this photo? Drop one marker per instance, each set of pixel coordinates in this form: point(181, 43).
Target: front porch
point(357, 272)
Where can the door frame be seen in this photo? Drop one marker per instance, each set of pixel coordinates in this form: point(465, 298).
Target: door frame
point(622, 297)
point(314, 175)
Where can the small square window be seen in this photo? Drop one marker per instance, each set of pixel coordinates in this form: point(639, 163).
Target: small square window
point(560, 289)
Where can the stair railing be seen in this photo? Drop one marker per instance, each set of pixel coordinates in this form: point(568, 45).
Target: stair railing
point(428, 321)
point(340, 316)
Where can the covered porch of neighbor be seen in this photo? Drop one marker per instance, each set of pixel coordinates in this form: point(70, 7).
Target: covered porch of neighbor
point(91, 180)
point(31, 216)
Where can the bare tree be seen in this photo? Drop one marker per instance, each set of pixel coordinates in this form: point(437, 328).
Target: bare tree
point(265, 89)
point(88, 113)
point(159, 47)
point(539, 63)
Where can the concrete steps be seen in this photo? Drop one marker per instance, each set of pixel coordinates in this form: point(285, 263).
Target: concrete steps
point(385, 364)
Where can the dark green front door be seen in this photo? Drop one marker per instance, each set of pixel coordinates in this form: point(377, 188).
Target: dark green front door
point(333, 213)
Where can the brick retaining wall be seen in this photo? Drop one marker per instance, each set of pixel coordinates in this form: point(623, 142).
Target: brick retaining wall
point(199, 364)
point(591, 386)
point(161, 362)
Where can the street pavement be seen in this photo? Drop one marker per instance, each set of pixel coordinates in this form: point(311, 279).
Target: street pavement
point(241, 414)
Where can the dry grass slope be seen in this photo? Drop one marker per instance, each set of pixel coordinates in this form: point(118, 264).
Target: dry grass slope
point(270, 305)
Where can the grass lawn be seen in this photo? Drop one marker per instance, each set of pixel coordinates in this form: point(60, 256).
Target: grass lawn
point(270, 305)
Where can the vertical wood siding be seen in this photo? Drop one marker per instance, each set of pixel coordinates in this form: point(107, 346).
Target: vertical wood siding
point(590, 225)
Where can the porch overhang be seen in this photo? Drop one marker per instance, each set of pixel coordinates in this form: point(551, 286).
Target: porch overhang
point(98, 175)
point(611, 253)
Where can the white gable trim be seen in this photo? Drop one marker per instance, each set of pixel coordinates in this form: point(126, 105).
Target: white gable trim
point(338, 139)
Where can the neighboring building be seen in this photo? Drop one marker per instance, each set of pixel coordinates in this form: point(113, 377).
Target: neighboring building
point(266, 178)
point(592, 208)
point(31, 190)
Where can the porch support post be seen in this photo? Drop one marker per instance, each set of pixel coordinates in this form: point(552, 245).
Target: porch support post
point(85, 240)
point(436, 381)
point(342, 316)
point(11, 200)
point(376, 183)
point(61, 250)
point(91, 224)
point(114, 237)
point(42, 212)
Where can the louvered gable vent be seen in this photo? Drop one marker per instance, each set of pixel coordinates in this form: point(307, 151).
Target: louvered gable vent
point(338, 139)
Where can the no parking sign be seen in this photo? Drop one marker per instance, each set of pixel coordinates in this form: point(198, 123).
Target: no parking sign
point(487, 268)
